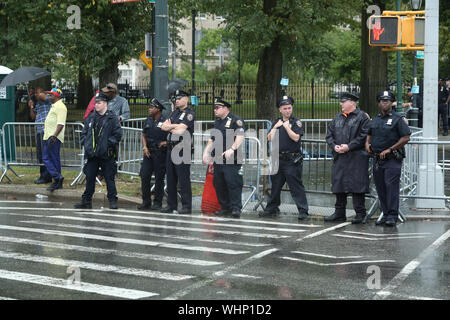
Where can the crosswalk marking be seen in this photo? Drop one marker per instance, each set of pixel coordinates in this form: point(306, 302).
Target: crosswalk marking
point(6, 298)
point(389, 234)
point(336, 263)
point(83, 286)
point(326, 256)
point(377, 239)
point(95, 266)
point(237, 243)
point(318, 233)
point(124, 240)
point(111, 251)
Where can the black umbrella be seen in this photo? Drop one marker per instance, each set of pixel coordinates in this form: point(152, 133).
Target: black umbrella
point(176, 84)
point(24, 74)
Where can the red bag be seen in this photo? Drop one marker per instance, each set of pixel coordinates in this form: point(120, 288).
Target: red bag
point(210, 204)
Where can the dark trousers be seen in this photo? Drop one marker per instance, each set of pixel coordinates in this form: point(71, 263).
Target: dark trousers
point(228, 184)
point(387, 183)
point(292, 174)
point(178, 173)
point(39, 148)
point(156, 165)
point(358, 203)
point(442, 113)
point(91, 169)
point(51, 158)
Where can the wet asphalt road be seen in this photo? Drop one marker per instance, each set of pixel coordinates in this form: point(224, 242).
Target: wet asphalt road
point(50, 251)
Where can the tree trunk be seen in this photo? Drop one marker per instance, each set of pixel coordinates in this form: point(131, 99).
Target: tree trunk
point(85, 90)
point(109, 74)
point(373, 67)
point(268, 87)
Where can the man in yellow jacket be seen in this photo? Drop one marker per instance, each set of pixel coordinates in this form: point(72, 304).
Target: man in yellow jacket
point(54, 126)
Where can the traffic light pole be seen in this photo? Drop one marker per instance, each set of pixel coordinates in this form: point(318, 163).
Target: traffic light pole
point(399, 75)
point(430, 178)
point(161, 55)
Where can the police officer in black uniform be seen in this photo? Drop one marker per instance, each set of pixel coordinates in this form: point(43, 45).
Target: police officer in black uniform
point(388, 133)
point(180, 122)
point(443, 98)
point(100, 137)
point(290, 130)
point(228, 179)
point(155, 152)
point(346, 136)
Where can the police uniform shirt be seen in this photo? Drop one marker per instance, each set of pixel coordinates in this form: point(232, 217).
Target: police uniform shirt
point(285, 142)
point(442, 94)
point(153, 131)
point(232, 122)
point(387, 130)
point(99, 120)
point(186, 116)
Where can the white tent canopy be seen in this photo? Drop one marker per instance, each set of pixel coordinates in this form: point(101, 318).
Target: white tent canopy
point(5, 70)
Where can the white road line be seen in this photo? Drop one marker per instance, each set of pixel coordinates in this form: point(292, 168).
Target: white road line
point(389, 234)
point(33, 202)
point(83, 286)
point(6, 298)
point(198, 285)
point(124, 240)
point(220, 219)
point(326, 256)
point(410, 267)
point(377, 239)
point(239, 275)
point(318, 233)
point(128, 254)
point(65, 225)
point(96, 266)
point(159, 226)
point(203, 217)
point(413, 297)
point(337, 263)
point(203, 223)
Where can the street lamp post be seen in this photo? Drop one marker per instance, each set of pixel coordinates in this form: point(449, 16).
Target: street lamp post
point(239, 100)
point(415, 5)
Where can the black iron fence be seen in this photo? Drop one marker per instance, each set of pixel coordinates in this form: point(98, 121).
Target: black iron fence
point(313, 99)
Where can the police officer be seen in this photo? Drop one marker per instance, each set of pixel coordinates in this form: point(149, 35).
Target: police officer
point(290, 130)
point(180, 122)
point(228, 181)
point(346, 136)
point(100, 137)
point(388, 133)
point(155, 152)
point(443, 99)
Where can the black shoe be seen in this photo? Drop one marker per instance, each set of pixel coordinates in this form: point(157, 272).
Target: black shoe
point(445, 133)
point(267, 214)
point(84, 204)
point(236, 213)
point(358, 219)
point(60, 183)
point(335, 217)
point(144, 206)
point(42, 181)
point(167, 210)
point(391, 222)
point(381, 221)
point(185, 211)
point(223, 213)
point(113, 204)
point(302, 215)
point(156, 207)
point(53, 186)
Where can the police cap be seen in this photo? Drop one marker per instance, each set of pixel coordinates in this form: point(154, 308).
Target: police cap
point(348, 96)
point(155, 103)
point(222, 103)
point(101, 96)
point(386, 95)
point(285, 100)
point(178, 94)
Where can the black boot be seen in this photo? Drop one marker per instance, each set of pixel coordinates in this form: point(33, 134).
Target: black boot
point(144, 206)
point(84, 204)
point(113, 204)
point(336, 217)
point(359, 218)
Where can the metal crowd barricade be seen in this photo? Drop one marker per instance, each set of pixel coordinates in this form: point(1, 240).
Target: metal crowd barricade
point(130, 151)
point(19, 146)
point(137, 123)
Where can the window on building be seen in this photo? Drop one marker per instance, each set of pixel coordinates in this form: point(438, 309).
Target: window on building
point(198, 36)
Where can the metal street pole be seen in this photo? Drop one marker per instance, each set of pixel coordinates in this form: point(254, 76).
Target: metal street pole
point(161, 59)
point(239, 100)
point(430, 177)
point(193, 52)
point(399, 75)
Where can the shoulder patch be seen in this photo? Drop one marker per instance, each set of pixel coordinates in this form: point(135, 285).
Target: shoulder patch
point(299, 123)
point(190, 117)
point(239, 122)
point(406, 120)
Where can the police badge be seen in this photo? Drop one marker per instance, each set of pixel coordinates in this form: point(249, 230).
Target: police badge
point(239, 123)
point(190, 117)
point(299, 123)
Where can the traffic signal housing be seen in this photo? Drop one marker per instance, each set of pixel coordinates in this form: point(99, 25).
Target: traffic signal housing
point(385, 31)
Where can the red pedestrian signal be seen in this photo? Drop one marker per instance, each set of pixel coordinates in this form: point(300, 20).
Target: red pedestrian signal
point(384, 31)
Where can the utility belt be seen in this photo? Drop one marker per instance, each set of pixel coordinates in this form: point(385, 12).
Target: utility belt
point(152, 147)
point(296, 157)
point(397, 154)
